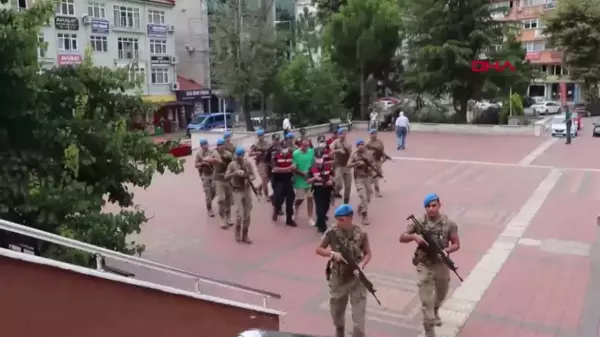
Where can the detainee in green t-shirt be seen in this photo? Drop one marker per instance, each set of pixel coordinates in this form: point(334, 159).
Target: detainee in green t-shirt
point(303, 159)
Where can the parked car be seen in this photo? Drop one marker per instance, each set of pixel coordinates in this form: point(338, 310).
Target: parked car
point(581, 109)
point(596, 130)
point(528, 101)
point(205, 122)
point(546, 108)
point(559, 127)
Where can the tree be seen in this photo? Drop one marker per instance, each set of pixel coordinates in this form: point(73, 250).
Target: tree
point(312, 95)
point(67, 151)
point(574, 28)
point(326, 8)
point(308, 36)
point(445, 38)
point(246, 49)
point(363, 38)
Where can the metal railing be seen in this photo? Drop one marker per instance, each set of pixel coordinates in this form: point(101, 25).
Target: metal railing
point(102, 253)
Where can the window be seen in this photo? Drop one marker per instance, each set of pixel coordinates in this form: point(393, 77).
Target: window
point(99, 43)
point(21, 5)
point(66, 7)
point(127, 17)
point(158, 46)
point(156, 17)
point(530, 24)
point(137, 74)
point(160, 75)
point(129, 48)
point(43, 47)
point(556, 70)
point(67, 42)
point(97, 10)
point(534, 47)
point(531, 3)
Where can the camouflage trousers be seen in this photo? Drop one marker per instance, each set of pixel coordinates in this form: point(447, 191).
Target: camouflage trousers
point(343, 180)
point(209, 191)
point(263, 172)
point(225, 199)
point(434, 280)
point(242, 202)
point(339, 294)
point(364, 189)
point(378, 164)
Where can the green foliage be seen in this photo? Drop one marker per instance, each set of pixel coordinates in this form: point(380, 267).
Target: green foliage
point(67, 150)
point(312, 95)
point(574, 27)
point(363, 38)
point(447, 37)
point(499, 84)
point(246, 50)
point(307, 36)
point(326, 8)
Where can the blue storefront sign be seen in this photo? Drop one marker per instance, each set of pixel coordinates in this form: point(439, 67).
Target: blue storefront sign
point(100, 26)
point(157, 30)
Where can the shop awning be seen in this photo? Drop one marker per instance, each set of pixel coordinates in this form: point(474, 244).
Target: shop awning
point(160, 99)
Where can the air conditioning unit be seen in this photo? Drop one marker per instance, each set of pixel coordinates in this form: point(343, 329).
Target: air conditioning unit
point(550, 5)
point(171, 28)
point(174, 60)
point(86, 20)
point(174, 86)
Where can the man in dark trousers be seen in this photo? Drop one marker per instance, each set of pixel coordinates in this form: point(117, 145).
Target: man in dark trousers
point(321, 179)
point(283, 172)
point(569, 123)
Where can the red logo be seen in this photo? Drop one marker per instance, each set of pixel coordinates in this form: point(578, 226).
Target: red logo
point(483, 66)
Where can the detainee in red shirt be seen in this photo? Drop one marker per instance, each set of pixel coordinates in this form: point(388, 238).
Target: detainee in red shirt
point(320, 177)
point(322, 146)
point(331, 139)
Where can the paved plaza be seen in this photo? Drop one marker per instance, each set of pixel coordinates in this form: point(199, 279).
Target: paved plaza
point(526, 209)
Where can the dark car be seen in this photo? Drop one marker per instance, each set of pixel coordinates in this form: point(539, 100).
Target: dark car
point(528, 101)
point(581, 109)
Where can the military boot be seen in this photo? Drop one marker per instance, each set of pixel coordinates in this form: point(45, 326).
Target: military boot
point(437, 320)
point(228, 217)
point(346, 200)
point(339, 332)
point(378, 193)
point(238, 233)
point(245, 237)
point(209, 211)
point(365, 219)
point(429, 330)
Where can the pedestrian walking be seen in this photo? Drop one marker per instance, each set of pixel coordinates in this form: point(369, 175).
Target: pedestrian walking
point(402, 130)
point(321, 179)
point(377, 149)
point(569, 123)
point(303, 159)
point(259, 152)
point(240, 175)
point(433, 274)
point(205, 170)
point(344, 284)
point(362, 162)
point(343, 176)
point(220, 158)
point(283, 172)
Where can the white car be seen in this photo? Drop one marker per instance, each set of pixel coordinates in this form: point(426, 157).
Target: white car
point(559, 127)
point(546, 108)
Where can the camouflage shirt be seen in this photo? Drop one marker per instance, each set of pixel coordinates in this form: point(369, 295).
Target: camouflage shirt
point(354, 239)
point(362, 171)
point(204, 169)
point(441, 230)
point(340, 159)
point(376, 148)
point(261, 148)
point(219, 168)
point(237, 182)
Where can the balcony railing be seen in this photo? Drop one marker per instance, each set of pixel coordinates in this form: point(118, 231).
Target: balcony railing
point(102, 253)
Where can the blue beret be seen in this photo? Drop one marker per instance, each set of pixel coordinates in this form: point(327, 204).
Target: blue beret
point(289, 135)
point(359, 142)
point(227, 134)
point(239, 151)
point(260, 132)
point(372, 131)
point(220, 141)
point(343, 210)
point(203, 141)
point(429, 198)
point(341, 130)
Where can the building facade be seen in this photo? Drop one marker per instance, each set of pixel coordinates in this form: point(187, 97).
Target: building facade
point(553, 80)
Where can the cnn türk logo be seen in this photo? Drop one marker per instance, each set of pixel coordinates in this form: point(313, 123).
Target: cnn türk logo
point(484, 66)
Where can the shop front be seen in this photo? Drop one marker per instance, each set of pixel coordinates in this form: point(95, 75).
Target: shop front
point(552, 88)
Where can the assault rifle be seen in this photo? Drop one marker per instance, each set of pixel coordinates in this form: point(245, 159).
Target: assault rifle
point(380, 153)
point(247, 178)
point(351, 263)
point(433, 248)
point(370, 166)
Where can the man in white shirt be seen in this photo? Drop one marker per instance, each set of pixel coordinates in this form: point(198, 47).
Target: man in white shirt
point(402, 129)
point(374, 116)
point(287, 126)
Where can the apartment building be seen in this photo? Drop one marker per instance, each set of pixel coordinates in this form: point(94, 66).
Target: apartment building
point(553, 81)
point(119, 33)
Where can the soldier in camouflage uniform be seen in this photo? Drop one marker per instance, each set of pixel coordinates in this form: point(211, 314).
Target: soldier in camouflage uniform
point(433, 274)
point(259, 152)
point(363, 178)
point(376, 147)
point(221, 158)
point(205, 170)
point(228, 143)
point(344, 285)
point(240, 174)
point(341, 154)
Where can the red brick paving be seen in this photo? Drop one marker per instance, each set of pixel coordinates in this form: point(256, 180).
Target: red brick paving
point(481, 198)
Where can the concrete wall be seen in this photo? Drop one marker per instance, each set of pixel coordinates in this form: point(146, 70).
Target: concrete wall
point(191, 40)
point(41, 300)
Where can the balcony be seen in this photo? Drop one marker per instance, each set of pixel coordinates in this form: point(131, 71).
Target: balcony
point(544, 57)
point(524, 13)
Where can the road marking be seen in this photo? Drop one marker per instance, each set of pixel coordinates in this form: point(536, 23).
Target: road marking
point(488, 163)
point(465, 298)
point(532, 156)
